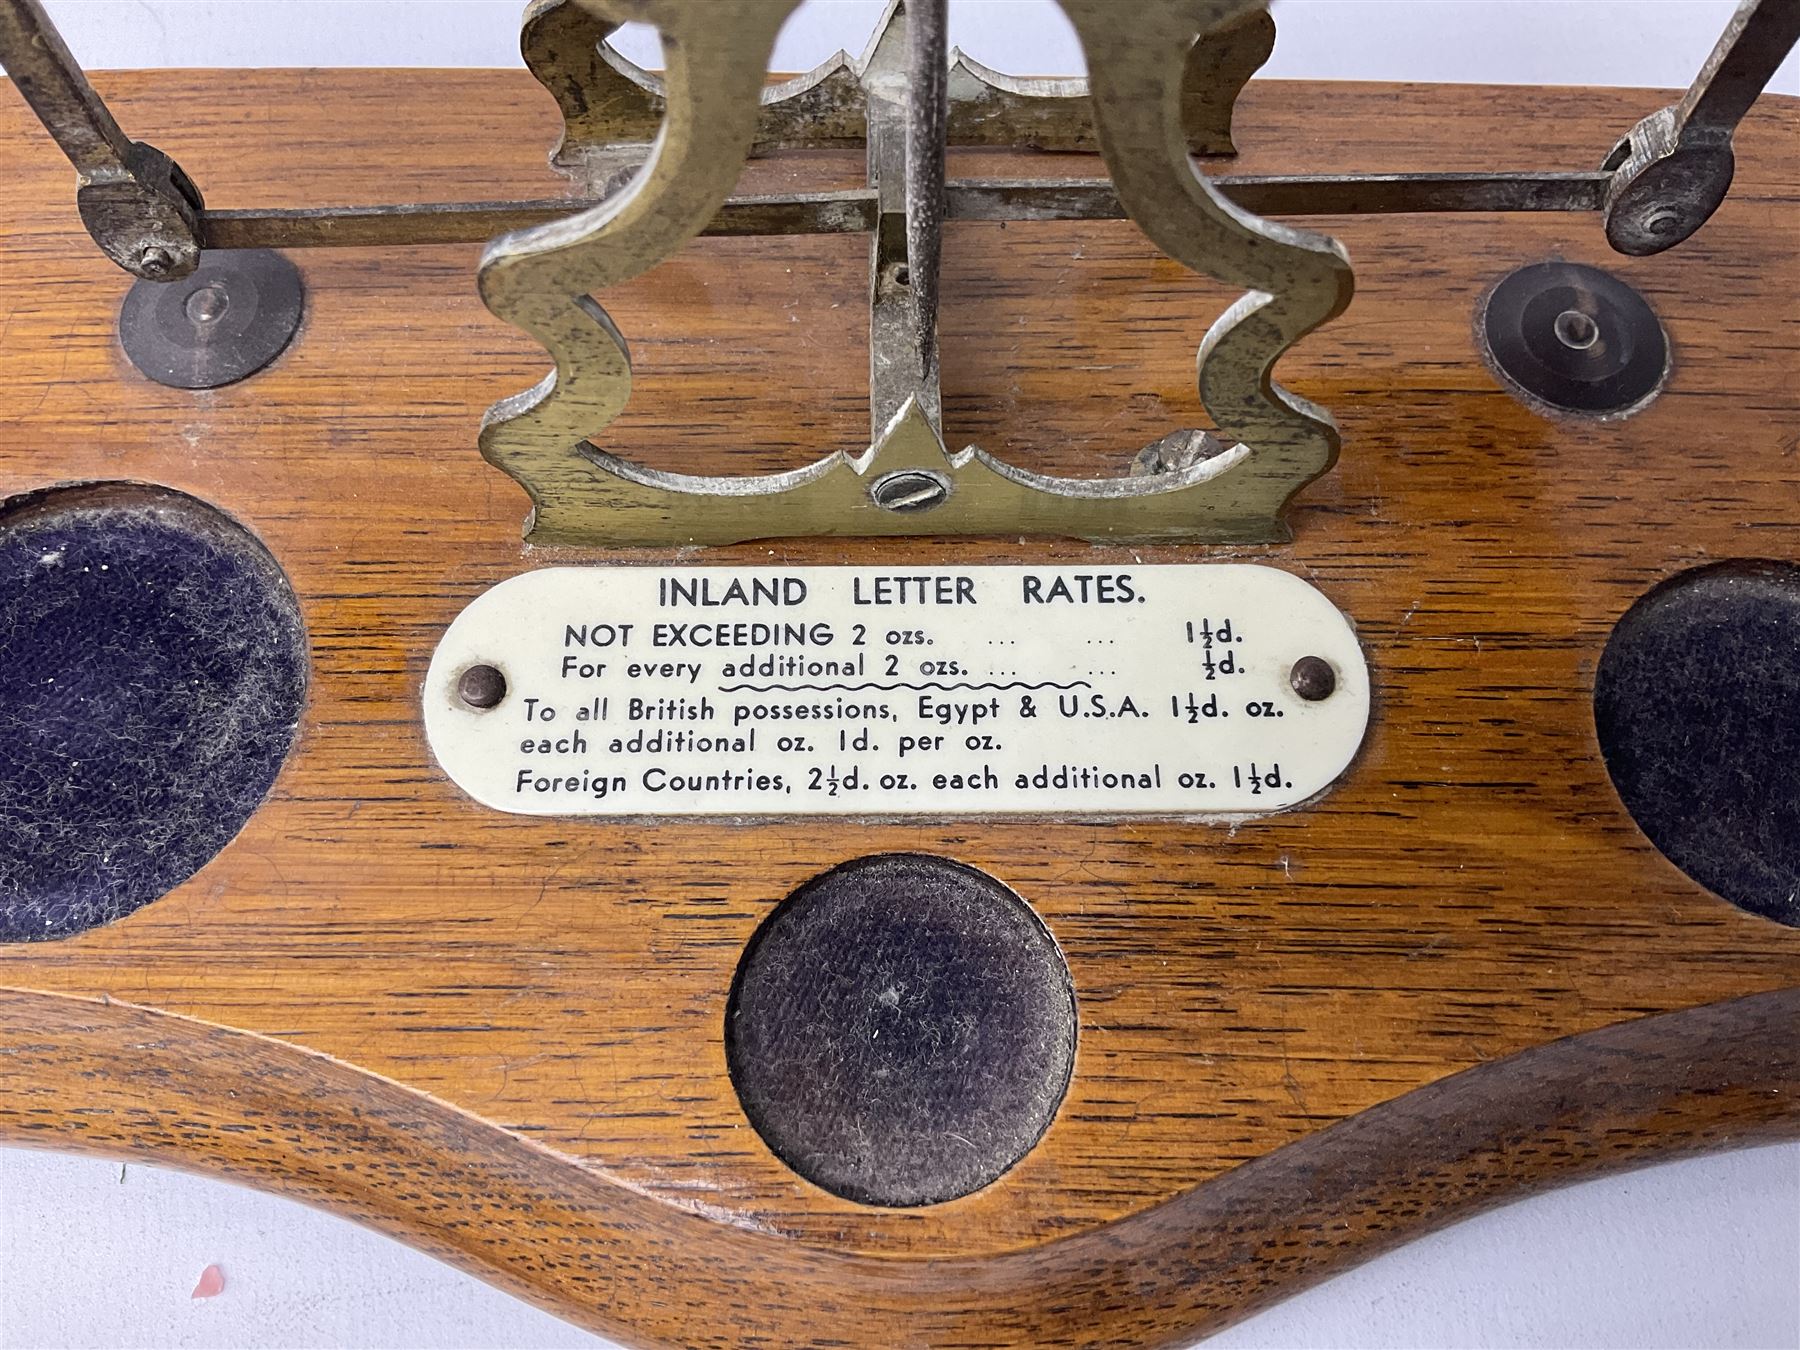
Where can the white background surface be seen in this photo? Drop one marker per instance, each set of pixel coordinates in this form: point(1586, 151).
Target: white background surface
point(1654, 43)
point(1698, 1253)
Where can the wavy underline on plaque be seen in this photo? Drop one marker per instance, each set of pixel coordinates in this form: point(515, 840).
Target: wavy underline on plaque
point(892, 688)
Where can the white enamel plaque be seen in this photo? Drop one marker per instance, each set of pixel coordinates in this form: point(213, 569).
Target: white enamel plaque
point(765, 691)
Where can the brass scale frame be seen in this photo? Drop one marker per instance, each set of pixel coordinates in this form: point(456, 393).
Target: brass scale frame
point(662, 157)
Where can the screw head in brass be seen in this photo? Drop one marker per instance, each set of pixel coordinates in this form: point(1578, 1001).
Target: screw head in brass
point(907, 490)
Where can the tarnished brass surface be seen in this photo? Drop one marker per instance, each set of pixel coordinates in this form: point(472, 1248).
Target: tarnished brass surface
point(543, 279)
point(966, 493)
point(1297, 280)
point(611, 106)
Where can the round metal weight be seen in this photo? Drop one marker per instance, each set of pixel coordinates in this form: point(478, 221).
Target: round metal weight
point(1568, 338)
point(153, 676)
point(236, 312)
point(1697, 707)
point(901, 1030)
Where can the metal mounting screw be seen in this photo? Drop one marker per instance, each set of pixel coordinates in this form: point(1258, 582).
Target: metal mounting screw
point(1313, 678)
point(910, 490)
point(481, 687)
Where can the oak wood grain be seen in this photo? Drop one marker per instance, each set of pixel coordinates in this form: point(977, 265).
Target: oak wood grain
point(180, 1092)
point(1471, 889)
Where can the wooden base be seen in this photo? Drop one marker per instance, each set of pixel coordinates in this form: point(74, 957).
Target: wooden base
point(1301, 1039)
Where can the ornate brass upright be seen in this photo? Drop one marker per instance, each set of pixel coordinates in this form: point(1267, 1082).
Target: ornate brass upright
point(1142, 106)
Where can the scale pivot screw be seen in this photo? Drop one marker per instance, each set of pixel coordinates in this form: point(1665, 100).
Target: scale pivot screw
point(154, 261)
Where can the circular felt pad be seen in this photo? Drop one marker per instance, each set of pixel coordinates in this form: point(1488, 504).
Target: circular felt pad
point(152, 673)
point(1697, 706)
point(901, 1030)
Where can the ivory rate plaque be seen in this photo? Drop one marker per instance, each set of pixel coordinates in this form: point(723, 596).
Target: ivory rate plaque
point(1173, 690)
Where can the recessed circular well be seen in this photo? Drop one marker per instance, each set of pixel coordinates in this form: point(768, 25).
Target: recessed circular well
point(901, 1030)
point(1697, 707)
point(152, 674)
